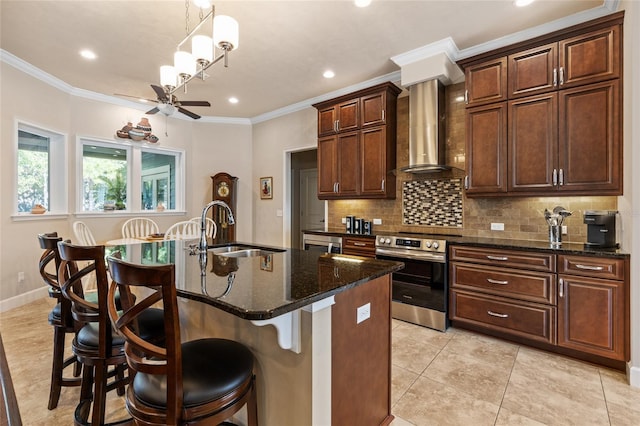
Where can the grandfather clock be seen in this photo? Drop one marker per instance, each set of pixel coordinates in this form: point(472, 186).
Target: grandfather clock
point(224, 189)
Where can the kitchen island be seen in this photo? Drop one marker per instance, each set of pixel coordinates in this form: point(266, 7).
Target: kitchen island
point(318, 324)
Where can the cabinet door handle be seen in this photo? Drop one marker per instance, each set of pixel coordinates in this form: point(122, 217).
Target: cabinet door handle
point(337, 186)
point(383, 114)
point(589, 267)
point(359, 244)
point(466, 182)
point(466, 97)
point(561, 76)
point(561, 288)
point(502, 258)
point(495, 314)
point(337, 125)
point(555, 177)
point(561, 177)
point(382, 187)
point(497, 281)
point(555, 77)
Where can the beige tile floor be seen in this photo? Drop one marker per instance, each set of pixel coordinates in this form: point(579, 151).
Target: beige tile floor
point(452, 378)
point(464, 378)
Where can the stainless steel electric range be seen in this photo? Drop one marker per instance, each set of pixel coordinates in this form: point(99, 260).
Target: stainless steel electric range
point(420, 290)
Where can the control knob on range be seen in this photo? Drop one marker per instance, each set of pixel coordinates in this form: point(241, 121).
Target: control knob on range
point(381, 240)
point(427, 244)
point(436, 245)
point(387, 240)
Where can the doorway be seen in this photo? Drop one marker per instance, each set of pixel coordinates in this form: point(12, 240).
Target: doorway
point(307, 212)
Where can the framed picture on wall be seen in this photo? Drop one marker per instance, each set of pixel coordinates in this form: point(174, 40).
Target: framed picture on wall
point(266, 188)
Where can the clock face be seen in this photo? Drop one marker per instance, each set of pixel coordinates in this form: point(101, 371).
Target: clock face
point(223, 189)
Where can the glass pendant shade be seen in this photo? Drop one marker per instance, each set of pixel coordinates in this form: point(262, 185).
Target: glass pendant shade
point(184, 63)
point(202, 48)
point(225, 32)
point(168, 77)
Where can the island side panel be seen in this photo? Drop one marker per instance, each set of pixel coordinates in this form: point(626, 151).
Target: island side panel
point(361, 356)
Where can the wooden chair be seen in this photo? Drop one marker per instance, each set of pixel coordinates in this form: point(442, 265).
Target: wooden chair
point(60, 318)
point(185, 230)
point(99, 349)
point(212, 228)
point(199, 382)
point(83, 234)
point(138, 227)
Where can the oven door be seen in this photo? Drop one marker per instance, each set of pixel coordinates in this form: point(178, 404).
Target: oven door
point(421, 283)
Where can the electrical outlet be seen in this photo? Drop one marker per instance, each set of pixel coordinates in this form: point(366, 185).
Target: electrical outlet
point(363, 313)
point(377, 221)
point(497, 226)
point(344, 220)
point(564, 229)
point(20, 277)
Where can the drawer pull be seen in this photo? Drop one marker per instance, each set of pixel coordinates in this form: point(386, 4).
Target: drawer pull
point(589, 267)
point(495, 314)
point(360, 244)
point(497, 281)
point(407, 297)
point(497, 257)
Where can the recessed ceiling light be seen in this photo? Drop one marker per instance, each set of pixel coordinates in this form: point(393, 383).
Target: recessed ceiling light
point(233, 100)
point(88, 54)
point(362, 3)
point(523, 3)
point(202, 4)
point(328, 74)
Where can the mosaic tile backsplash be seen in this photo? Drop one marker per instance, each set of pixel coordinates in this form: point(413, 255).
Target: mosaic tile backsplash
point(433, 202)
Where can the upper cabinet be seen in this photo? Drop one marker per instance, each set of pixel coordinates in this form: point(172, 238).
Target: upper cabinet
point(357, 144)
point(559, 96)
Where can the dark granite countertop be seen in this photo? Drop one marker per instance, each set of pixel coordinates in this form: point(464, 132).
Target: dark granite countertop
point(564, 248)
point(259, 287)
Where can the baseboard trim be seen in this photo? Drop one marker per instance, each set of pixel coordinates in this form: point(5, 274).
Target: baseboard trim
point(633, 373)
point(23, 299)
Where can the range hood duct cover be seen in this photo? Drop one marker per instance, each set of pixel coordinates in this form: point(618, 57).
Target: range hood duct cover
point(426, 128)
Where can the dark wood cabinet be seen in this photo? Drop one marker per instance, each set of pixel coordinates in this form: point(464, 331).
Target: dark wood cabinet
point(564, 119)
point(486, 149)
point(573, 304)
point(357, 144)
point(486, 82)
point(359, 246)
point(592, 312)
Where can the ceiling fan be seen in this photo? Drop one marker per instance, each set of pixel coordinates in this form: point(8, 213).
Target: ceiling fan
point(167, 104)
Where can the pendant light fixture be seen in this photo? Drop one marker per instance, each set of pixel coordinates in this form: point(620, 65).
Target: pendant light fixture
point(187, 65)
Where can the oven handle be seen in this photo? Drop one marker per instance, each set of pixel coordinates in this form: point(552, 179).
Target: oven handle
point(408, 254)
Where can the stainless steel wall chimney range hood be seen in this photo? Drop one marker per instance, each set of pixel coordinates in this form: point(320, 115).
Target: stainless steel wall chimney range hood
point(426, 128)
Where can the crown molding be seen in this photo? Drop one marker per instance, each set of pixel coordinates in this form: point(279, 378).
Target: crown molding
point(446, 46)
point(307, 103)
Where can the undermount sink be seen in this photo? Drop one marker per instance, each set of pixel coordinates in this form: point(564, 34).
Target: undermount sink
point(240, 251)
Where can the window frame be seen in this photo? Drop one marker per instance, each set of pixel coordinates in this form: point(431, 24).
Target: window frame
point(58, 175)
point(134, 176)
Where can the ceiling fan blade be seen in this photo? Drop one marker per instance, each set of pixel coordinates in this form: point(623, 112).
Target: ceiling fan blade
point(152, 111)
point(189, 113)
point(195, 103)
point(136, 97)
point(160, 92)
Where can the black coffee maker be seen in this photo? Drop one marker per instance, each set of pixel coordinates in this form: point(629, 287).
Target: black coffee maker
point(601, 228)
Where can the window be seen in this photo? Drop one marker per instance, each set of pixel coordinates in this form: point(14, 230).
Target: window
point(129, 177)
point(41, 170)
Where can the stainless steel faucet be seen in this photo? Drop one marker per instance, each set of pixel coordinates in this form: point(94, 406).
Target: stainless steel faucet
point(203, 231)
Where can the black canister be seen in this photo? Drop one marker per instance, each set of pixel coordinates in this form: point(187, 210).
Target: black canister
point(350, 224)
point(367, 227)
point(356, 228)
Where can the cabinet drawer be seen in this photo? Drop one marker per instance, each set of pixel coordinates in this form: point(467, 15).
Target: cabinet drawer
point(596, 267)
point(529, 320)
point(531, 286)
point(359, 246)
point(504, 258)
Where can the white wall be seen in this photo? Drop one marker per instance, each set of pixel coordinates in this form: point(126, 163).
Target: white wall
point(272, 140)
point(209, 147)
point(629, 204)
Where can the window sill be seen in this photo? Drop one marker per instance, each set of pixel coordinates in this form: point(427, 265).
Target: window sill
point(125, 213)
point(19, 217)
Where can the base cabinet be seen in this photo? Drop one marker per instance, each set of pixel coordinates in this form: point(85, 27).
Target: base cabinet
point(577, 305)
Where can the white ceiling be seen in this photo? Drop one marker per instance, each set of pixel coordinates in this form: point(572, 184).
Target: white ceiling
point(284, 45)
